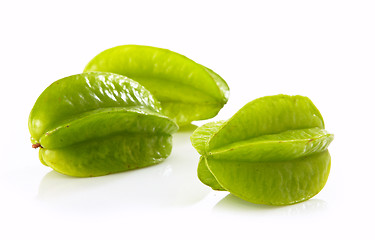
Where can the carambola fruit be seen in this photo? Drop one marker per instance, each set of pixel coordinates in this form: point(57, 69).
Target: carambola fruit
point(94, 124)
point(272, 151)
point(186, 90)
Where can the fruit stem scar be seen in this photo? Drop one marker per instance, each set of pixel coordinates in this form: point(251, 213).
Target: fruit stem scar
point(36, 145)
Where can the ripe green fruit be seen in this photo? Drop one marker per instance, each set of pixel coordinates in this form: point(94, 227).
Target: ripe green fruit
point(186, 90)
point(272, 151)
point(94, 124)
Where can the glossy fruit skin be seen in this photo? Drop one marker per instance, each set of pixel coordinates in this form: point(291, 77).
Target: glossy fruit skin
point(94, 124)
point(272, 151)
point(187, 90)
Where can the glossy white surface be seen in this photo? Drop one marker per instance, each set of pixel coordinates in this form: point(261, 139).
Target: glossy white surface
point(322, 49)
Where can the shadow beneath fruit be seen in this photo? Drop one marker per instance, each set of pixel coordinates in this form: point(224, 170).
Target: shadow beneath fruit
point(235, 204)
point(187, 128)
point(172, 183)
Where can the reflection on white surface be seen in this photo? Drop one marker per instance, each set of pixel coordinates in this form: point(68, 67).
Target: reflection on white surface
point(235, 204)
point(172, 183)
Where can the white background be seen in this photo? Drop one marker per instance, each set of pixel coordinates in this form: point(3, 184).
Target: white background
point(321, 49)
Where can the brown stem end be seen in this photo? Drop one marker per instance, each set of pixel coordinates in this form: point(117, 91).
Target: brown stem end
point(36, 145)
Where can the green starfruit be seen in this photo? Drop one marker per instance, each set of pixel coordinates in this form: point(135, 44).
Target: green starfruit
point(186, 90)
point(272, 151)
point(94, 124)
